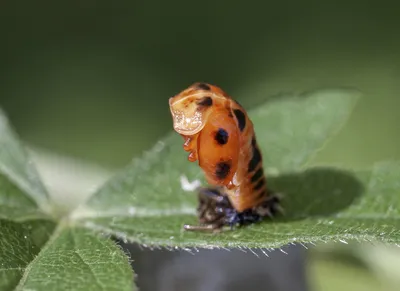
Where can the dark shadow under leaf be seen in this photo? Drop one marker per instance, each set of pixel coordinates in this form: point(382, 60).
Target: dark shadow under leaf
point(316, 192)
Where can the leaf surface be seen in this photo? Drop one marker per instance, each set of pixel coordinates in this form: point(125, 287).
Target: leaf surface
point(21, 189)
point(322, 204)
point(78, 259)
point(19, 244)
point(38, 249)
point(145, 203)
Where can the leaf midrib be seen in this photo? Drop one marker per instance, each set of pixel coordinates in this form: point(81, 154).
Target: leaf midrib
point(57, 231)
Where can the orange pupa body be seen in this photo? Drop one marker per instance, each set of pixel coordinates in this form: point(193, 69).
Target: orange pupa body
point(220, 136)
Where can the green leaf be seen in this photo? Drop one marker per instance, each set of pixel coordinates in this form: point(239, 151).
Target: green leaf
point(292, 129)
point(39, 250)
point(19, 244)
point(322, 204)
point(78, 259)
point(18, 171)
point(35, 257)
point(15, 204)
point(146, 204)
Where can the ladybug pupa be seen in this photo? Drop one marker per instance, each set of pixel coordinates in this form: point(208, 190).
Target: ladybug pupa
point(218, 133)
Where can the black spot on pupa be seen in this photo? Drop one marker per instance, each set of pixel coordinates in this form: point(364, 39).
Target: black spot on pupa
point(241, 118)
point(259, 185)
point(253, 142)
point(221, 136)
point(257, 175)
point(203, 86)
point(222, 169)
point(255, 160)
point(205, 101)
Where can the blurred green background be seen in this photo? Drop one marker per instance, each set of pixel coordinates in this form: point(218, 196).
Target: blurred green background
point(91, 79)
